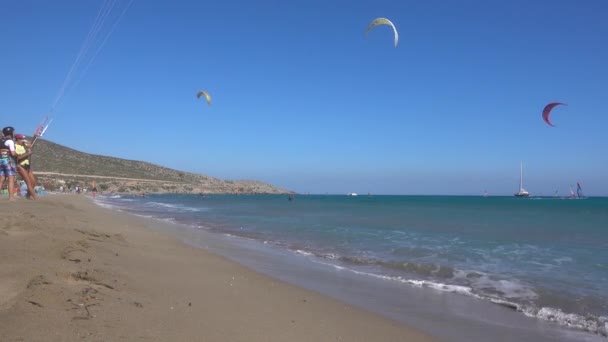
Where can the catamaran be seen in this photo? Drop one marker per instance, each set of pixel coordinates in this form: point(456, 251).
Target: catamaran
point(522, 192)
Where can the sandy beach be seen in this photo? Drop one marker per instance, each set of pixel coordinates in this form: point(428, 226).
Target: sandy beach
point(72, 271)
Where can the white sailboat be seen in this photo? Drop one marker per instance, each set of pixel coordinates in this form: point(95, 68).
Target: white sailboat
point(522, 192)
point(572, 195)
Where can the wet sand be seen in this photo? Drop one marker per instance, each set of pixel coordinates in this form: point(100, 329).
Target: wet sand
point(73, 271)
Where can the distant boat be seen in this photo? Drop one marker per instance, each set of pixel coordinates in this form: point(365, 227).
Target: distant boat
point(578, 194)
point(522, 192)
point(572, 195)
point(352, 194)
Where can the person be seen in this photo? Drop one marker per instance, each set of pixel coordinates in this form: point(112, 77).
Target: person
point(7, 160)
point(23, 164)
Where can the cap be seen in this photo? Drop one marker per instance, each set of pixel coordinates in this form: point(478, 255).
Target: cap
point(19, 136)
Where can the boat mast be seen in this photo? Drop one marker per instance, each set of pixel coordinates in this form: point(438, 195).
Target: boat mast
point(521, 176)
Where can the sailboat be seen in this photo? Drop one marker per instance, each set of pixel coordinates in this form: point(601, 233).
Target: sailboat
point(522, 192)
point(572, 195)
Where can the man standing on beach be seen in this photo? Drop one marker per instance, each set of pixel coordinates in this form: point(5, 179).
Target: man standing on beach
point(7, 160)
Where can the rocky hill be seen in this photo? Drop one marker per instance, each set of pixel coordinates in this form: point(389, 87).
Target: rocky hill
point(56, 165)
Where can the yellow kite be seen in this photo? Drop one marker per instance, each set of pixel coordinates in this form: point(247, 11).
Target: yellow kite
point(383, 21)
point(207, 96)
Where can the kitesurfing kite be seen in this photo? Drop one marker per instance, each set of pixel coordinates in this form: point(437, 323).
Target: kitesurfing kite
point(383, 21)
point(547, 111)
point(41, 129)
point(207, 96)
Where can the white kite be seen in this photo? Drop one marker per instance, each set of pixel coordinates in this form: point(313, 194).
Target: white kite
point(383, 21)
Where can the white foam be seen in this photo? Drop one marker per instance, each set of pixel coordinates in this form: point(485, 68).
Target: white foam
point(439, 286)
point(513, 289)
point(331, 256)
point(562, 260)
point(599, 326)
point(106, 205)
point(173, 206)
point(590, 324)
point(509, 289)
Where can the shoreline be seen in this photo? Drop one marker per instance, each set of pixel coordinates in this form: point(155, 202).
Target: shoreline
point(73, 270)
point(437, 309)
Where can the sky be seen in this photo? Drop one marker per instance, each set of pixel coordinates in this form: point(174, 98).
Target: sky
point(304, 100)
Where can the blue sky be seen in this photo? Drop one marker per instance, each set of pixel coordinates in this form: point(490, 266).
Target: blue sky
point(304, 100)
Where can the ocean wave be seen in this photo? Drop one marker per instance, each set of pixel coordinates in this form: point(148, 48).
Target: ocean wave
point(438, 286)
point(106, 205)
point(113, 198)
point(590, 323)
point(508, 293)
point(299, 251)
point(105, 197)
point(175, 207)
point(424, 269)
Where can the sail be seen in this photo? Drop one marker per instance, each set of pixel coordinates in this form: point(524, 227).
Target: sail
point(579, 190)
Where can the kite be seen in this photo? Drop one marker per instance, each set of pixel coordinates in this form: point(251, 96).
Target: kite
point(383, 21)
point(547, 111)
point(207, 96)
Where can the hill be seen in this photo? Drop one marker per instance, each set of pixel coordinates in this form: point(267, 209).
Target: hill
point(56, 165)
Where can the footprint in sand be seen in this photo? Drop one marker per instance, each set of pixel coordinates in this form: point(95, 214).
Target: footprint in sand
point(102, 237)
point(76, 254)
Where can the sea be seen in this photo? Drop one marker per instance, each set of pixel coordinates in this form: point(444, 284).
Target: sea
point(459, 267)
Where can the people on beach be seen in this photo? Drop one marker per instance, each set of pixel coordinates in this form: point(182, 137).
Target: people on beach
point(23, 153)
point(7, 160)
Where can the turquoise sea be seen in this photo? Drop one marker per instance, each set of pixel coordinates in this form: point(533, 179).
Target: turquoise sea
point(545, 258)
